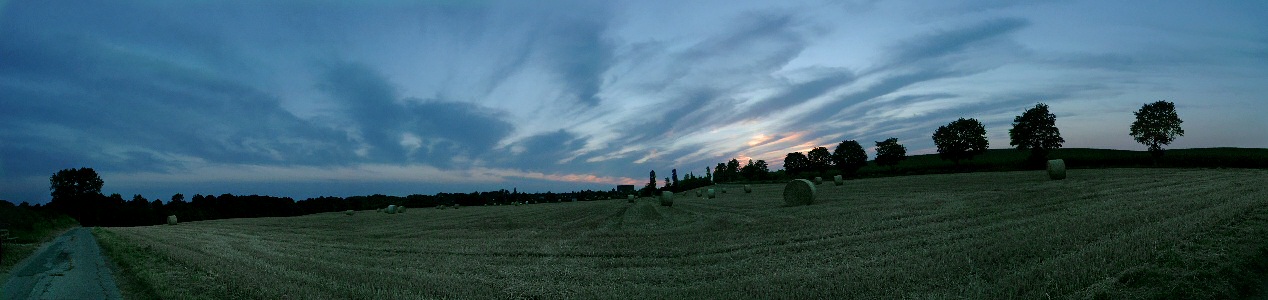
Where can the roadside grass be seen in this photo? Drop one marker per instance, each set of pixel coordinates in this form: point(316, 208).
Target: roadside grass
point(1103, 234)
point(138, 271)
point(31, 228)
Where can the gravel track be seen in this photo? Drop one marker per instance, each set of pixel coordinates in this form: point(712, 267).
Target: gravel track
point(69, 267)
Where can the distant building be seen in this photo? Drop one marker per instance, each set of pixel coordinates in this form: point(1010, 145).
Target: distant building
point(625, 188)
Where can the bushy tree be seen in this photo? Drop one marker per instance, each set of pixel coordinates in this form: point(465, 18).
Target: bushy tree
point(762, 167)
point(733, 169)
point(849, 157)
point(889, 152)
point(961, 139)
point(77, 192)
point(749, 171)
point(720, 173)
point(755, 170)
point(1156, 124)
point(795, 163)
point(820, 159)
point(1036, 130)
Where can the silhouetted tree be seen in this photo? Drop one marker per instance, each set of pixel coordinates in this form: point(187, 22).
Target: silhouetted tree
point(708, 175)
point(889, 152)
point(762, 169)
point(733, 170)
point(77, 192)
point(651, 184)
point(1036, 130)
point(1156, 124)
point(820, 159)
point(720, 173)
point(675, 177)
point(961, 139)
point(749, 171)
point(849, 157)
point(795, 163)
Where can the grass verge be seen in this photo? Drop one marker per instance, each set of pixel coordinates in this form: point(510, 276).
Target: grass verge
point(31, 229)
point(145, 273)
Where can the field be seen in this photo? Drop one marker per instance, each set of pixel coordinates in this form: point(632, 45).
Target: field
point(1106, 233)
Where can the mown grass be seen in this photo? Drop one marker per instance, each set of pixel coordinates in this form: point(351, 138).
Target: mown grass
point(1107, 234)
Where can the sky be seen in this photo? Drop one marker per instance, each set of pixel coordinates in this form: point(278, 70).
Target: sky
point(340, 98)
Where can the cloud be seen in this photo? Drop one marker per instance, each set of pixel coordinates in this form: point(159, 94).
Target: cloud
point(120, 99)
point(395, 129)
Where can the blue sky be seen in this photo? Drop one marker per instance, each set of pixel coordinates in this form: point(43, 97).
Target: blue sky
point(311, 98)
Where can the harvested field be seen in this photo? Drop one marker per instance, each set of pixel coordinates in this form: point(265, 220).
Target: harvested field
point(1112, 233)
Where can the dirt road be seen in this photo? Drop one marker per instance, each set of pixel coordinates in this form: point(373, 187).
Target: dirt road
point(69, 267)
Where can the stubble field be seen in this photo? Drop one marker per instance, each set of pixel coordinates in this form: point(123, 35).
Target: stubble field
point(1114, 233)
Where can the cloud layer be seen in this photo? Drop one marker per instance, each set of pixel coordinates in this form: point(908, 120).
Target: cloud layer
point(305, 99)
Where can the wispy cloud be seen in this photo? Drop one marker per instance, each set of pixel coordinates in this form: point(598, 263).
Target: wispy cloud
point(355, 98)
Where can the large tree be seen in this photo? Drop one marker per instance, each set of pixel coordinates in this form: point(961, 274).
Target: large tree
point(961, 139)
point(795, 163)
point(820, 159)
point(733, 169)
point(1036, 130)
point(762, 167)
point(77, 192)
point(849, 157)
point(721, 174)
point(749, 171)
point(889, 152)
point(1157, 124)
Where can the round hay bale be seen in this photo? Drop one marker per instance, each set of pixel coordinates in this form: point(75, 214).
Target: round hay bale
point(441, 206)
point(171, 220)
point(1056, 169)
point(348, 212)
point(799, 192)
point(711, 194)
point(818, 180)
point(400, 209)
point(456, 206)
point(391, 209)
point(629, 197)
point(699, 194)
point(666, 198)
point(748, 189)
point(724, 190)
point(630, 200)
point(838, 180)
point(378, 210)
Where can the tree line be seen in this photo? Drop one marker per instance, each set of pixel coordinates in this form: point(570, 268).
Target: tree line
point(77, 193)
point(1156, 125)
